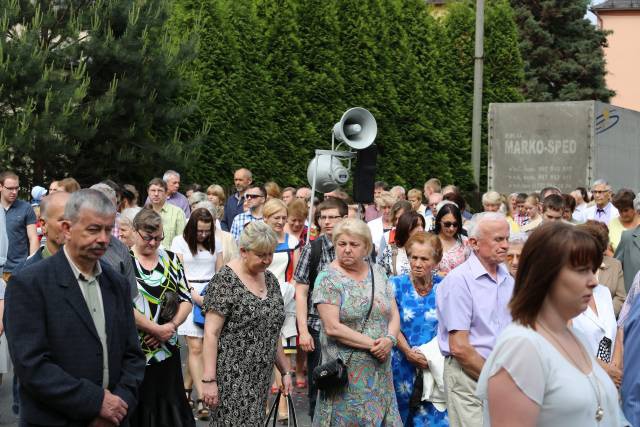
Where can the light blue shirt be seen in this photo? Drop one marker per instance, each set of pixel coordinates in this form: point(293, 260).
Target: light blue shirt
point(469, 299)
point(630, 389)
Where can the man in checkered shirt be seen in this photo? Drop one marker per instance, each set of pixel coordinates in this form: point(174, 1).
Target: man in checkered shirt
point(330, 213)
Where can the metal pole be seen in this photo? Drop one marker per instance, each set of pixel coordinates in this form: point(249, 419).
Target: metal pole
point(313, 195)
point(476, 129)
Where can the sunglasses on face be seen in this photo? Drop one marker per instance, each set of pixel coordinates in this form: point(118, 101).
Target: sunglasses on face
point(252, 196)
point(447, 224)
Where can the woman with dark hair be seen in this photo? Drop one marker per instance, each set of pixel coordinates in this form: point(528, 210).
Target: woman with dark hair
point(540, 372)
point(161, 306)
point(628, 219)
point(448, 227)
point(582, 199)
point(201, 256)
point(394, 258)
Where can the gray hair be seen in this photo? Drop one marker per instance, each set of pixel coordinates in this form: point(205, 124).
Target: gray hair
point(518, 238)
point(214, 210)
point(398, 188)
point(127, 215)
point(491, 197)
point(601, 182)
point(355, 228)
point(90, 199)
point(170, 173)
point(474, 228)
point(246, 171)
point(197, 197)
point(257, 236)
point(107, 191)
point(636, 202)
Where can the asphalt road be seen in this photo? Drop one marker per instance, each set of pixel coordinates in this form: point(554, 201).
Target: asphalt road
point(7, 418)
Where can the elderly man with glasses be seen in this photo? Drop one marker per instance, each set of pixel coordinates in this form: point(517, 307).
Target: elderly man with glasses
point(603, 210)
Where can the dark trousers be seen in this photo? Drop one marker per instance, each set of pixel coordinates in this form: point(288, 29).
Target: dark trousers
point(313, 360)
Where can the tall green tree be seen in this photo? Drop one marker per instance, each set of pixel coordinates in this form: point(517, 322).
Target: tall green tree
point(90, 89)
point(562, 51)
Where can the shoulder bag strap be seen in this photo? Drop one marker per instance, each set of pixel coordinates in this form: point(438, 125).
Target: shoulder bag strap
point(366, 319)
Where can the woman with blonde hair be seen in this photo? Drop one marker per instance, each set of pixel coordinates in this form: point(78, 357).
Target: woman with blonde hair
point(244, 316)
point(215, 194)
point(360, 325)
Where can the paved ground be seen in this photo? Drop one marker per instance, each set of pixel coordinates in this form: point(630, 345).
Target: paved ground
point(301, 404)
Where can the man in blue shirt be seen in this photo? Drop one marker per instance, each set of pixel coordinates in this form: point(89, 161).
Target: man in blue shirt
point(20, 223)
point(242, 178)
point(631, 376)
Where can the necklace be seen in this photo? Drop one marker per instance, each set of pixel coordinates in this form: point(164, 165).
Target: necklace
point(424, 289)
point(596, 387)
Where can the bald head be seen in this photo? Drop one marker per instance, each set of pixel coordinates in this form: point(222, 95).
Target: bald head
point(52, 215)
point(52, 203)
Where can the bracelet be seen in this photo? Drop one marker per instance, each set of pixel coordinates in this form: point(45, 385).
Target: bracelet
point(212, 380)
point(290, 373)
point(394, 340)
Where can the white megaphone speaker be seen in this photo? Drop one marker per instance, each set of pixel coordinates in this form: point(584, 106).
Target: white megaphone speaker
point(329, 171)
point(357, 128)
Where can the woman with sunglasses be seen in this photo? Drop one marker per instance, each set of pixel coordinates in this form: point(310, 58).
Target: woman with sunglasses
point(201, 256)
point(448, 227)
point(162, 304)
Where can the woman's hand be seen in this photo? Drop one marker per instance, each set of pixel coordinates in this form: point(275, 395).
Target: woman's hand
point(616, 375)
point(417, 359)
point(163, 333)
point(286, 384)
point(381, 348)
point(210, 394)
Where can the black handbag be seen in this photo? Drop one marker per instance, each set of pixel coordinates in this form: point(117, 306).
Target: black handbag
point(334, 375)
point(168, 307)
point(273, 413)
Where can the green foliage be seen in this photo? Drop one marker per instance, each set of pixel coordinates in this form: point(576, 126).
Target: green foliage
point(273, 76)
point(90, 89)
point(563, 54)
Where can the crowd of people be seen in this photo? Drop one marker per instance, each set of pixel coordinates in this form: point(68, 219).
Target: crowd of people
point(412, 310)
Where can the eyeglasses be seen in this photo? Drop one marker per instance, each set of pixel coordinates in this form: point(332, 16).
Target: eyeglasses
point(252, 196)
point(447, 224)
point(149, 239)
point(600, 191)
point(12, 188)
point(329, 217)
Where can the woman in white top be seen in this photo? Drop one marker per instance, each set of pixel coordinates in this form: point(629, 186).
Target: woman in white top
point(540, 372)
point(200, 254)
point(394, 257)
point(384, 223)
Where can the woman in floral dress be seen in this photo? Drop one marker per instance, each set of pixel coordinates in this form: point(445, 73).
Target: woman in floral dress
point(342, 294)
point(416, 299)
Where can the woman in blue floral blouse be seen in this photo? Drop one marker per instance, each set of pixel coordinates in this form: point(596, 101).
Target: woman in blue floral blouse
point(416, 300)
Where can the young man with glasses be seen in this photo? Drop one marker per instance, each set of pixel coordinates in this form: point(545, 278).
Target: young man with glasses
point(314, 257)
point(255, 197)
point(20, 223)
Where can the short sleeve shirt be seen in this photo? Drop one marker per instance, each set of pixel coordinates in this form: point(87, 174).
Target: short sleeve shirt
point(19, 215)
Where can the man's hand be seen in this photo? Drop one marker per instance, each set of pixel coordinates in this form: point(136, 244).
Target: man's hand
point(616, 375)
point(381, 348)
point(306, 341)
point(101, 422)
point(417, 359)
point(113, 409)
point(164, 332)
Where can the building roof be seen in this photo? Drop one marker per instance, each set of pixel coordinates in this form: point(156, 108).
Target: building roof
point(617, 5)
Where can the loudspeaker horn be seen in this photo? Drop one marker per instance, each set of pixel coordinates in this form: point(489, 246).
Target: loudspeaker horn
point(357, 128)
point(330, 173)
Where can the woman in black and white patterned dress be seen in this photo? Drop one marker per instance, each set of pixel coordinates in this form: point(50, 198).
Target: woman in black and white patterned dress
point(244, 315)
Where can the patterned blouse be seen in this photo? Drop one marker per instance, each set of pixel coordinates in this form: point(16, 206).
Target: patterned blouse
point(167, 276)
point(455, 256)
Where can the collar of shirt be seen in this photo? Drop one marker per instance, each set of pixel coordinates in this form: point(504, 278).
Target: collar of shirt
point(605, 210)
point(478, 270)
point(97, 270)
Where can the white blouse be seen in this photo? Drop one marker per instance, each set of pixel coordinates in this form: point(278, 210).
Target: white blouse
point(596, 326)
point(565, 395)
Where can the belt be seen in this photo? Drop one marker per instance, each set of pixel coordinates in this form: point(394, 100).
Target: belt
point(199, 281)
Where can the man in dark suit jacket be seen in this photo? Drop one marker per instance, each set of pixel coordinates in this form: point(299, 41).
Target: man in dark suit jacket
point(75, 348)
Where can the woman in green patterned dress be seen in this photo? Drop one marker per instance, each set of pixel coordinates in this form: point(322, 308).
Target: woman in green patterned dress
point(342, 294)
point(162, 304)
